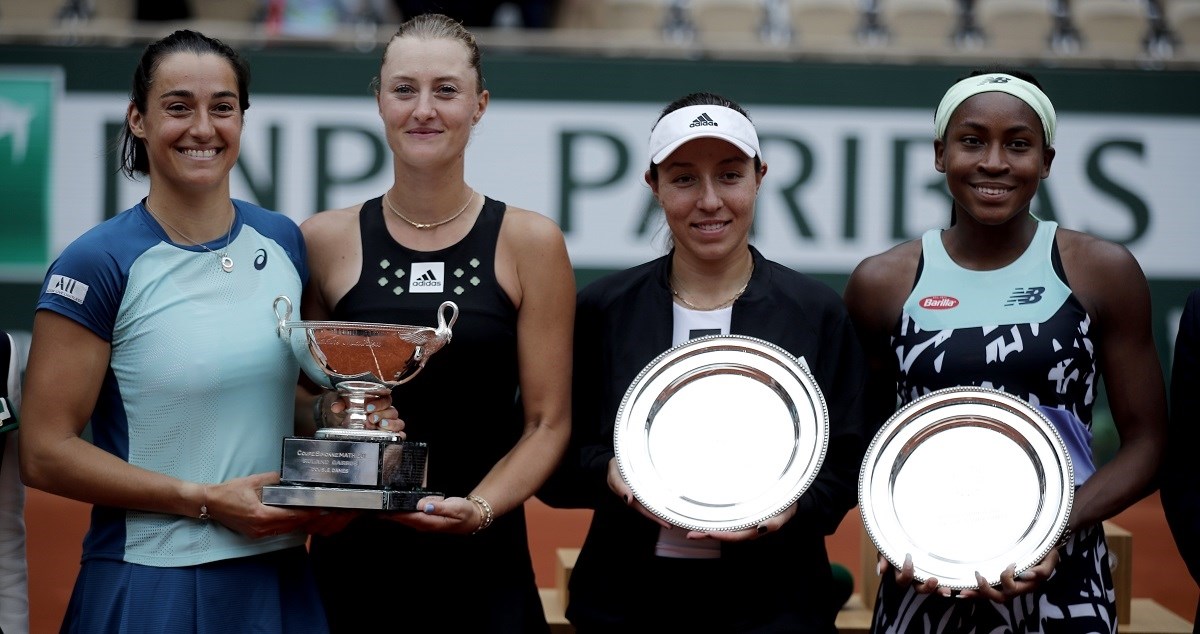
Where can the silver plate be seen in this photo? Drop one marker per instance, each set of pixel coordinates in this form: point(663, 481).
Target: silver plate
point(966, 479)
point(721, 433)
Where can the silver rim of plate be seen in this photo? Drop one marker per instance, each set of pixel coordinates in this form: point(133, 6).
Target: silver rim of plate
point(721, 433)
point(966, 479)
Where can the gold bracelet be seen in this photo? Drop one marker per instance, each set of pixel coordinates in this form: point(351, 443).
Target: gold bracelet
point(485, 512)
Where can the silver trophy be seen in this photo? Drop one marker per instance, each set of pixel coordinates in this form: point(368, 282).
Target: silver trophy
point(352, 466)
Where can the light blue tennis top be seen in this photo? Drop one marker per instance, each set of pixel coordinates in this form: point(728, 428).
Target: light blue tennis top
point(200, 386)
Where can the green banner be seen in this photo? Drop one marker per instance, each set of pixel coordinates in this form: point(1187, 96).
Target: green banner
point(27, 100)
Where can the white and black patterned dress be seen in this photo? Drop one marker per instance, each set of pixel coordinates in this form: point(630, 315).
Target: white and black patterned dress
point(1018, 329)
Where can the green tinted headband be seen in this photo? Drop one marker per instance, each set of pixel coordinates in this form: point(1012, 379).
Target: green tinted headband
point(996, 82)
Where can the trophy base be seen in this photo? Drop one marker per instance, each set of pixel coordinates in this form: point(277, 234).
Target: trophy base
point(342, 498)
point(351, 469)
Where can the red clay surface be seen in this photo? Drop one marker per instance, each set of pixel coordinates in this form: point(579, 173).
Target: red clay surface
point(56, 527)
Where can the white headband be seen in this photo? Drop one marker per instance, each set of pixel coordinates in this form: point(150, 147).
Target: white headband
point(996, 82)
point(694, 122)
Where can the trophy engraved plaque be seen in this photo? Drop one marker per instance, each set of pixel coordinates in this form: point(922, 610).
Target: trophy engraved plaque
point(352, 466)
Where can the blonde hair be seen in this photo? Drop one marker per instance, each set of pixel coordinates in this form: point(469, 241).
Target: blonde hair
point(436, 26)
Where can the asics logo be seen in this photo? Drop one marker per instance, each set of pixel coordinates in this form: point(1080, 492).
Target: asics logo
point(260, 259)
point(703, 120)
point(938, 302)
point(1023, 296)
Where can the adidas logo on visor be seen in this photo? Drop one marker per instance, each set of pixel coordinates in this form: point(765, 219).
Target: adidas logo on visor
point(703, 120)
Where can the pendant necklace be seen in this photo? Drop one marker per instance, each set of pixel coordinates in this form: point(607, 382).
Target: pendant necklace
point(427, 225)
point(226, 261)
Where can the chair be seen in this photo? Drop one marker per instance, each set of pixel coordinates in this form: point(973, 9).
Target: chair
point(1183, 18)
point(920, 25)
point(725, 19)
point(1112, 27)
point(1016, 27)
point(644, 17)
point(825, 23)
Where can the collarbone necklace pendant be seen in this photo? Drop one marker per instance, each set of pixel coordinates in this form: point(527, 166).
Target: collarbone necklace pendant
point(226, 261)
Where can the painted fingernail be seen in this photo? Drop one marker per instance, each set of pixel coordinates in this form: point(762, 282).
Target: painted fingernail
point(383, 424)
point(429, 507)
point(908, 560)
point(626, 498)
point(879, 569)
point(374, 418)
point(371, 407)
point(761, 529)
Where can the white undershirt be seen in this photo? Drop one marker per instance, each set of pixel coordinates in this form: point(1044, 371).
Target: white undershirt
point(689, 324)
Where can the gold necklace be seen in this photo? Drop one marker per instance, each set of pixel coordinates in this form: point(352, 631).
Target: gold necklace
point(226, 261)
point(427, 225)
point(723, 304)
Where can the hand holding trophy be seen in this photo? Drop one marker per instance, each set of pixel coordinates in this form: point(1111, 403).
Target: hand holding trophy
point(354, 467)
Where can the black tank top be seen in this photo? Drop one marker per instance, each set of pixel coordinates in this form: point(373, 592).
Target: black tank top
point(464, 402)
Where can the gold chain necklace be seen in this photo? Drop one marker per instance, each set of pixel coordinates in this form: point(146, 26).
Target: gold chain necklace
point(226, 261)
point(723, 304)
point(427, 225)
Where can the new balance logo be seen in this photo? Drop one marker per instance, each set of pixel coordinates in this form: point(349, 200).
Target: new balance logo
point(703, 120)
point(1023, 296)
point(427, 277)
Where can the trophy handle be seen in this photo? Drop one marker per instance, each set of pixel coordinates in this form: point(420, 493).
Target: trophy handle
point(443, 329)
point(286, 316)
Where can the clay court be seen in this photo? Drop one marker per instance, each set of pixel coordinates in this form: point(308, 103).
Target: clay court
point(56, 527)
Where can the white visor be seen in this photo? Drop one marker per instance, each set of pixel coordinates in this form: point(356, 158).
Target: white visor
point(696, 122)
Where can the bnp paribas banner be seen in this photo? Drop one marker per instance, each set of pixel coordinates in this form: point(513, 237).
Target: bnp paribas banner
point(841, 184)
point(28, 115)
point(849, 150)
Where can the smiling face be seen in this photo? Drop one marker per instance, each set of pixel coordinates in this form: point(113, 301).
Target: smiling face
point(192, 125)
point(707, 188)
point(429, 98)
point(994, 156)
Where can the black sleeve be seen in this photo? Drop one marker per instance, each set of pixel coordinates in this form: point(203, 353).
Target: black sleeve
point(1180, 475)
point(842, 373)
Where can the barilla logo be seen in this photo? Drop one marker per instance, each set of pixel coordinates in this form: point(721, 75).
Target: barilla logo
point(938, 302)
point(703, 120)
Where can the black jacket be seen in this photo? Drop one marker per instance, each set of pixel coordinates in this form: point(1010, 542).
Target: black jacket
point(624, 321)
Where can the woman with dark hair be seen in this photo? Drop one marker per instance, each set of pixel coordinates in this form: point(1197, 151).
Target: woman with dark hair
point(1038, 311)
point(635, 571)
point(155, 330)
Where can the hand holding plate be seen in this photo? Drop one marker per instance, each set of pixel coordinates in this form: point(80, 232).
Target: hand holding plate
point(618, 485)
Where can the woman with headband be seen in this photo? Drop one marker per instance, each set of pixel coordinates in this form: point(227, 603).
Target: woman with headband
point(1043, 313)
point(635, 572)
